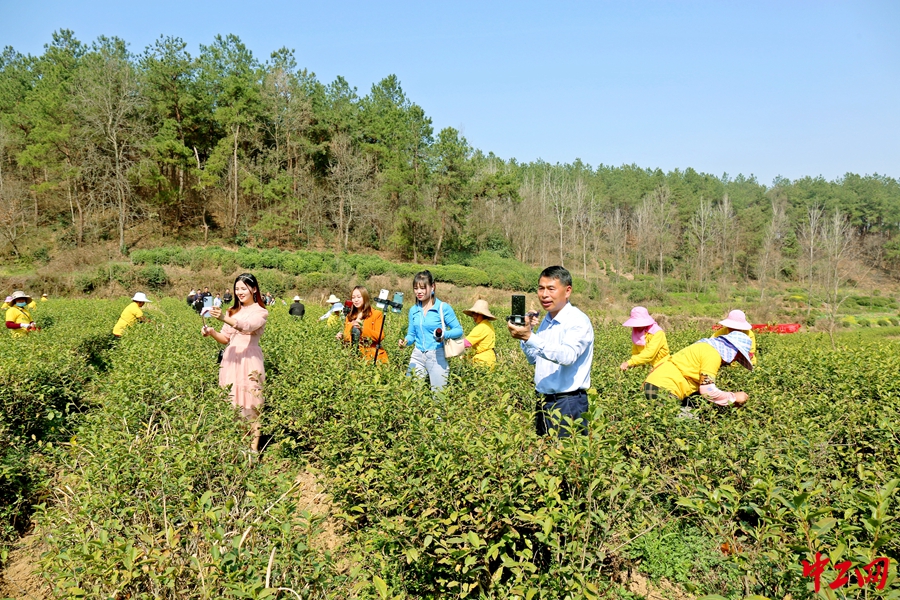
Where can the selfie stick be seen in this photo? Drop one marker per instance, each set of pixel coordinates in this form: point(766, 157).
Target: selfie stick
point(397, 305)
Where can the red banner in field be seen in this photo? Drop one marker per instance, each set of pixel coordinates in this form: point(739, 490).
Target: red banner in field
point(774, 328)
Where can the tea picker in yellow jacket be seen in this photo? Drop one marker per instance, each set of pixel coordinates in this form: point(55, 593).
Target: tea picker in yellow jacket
point(737, 321)
point(648, 340)
point(482, 338)
point(132, 314)
point(18, 319)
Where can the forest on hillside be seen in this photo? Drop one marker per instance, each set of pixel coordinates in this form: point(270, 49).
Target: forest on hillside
point(96, 141)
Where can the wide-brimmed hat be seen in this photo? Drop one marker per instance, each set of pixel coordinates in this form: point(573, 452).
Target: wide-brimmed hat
point(140, 297)
point(332, 299)
point(18, 294)
point(480, 308)
point(741, 342)
point(296, 298)
point(736, 320)
point(640, 317)
point(8, 299)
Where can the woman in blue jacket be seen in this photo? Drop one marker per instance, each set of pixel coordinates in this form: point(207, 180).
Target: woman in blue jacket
point(426, 333)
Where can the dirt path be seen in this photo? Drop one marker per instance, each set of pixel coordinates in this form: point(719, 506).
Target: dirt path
point(21, 578)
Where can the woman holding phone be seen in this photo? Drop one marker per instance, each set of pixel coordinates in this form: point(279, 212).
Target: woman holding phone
point(426, 332)
point(242, 362)
point(368, 324)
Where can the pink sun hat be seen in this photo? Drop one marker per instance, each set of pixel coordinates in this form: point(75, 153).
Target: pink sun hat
point(640, 317)
point(736, 320)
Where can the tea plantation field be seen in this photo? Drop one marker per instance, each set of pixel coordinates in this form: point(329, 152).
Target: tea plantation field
point(131, 469)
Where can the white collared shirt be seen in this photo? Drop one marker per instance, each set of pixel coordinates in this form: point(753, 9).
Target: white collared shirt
point(562, 350)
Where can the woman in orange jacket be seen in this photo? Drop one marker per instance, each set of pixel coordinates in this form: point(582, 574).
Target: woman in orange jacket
point(364, 326)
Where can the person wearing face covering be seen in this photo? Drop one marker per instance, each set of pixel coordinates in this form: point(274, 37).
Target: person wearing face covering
point(648, 340)
point(18, 317)
point(737, 321)
point(693, 371)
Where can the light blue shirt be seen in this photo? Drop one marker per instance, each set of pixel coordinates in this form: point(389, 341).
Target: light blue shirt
point(422, 326)
point(562, 350)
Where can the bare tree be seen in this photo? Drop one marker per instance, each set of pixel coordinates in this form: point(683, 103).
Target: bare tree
point(726, 236)
point(108, 105)
point(656, 226)
point(702, 233)
point(770, 253)
point(584, 215)
point(838, 247)
point(350, 179)
point(615, 228)
point(556, 193)
point(808, 236)
point(14, 208)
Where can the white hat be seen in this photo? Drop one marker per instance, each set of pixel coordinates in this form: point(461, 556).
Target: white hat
point(332, 299)
point(296, 298)
point(17, 295)
point(140, 297)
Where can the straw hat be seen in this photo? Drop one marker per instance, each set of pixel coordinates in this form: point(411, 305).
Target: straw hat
point(18, 294)
point(296, 298)
point(332, 299)
point(480, 308)
point(640, 317)
point(140, 297)
point(736, 320)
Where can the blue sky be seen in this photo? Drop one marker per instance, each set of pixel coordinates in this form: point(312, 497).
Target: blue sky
point(764, 88)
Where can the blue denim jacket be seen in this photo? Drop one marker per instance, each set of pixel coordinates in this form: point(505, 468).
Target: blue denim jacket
point(421, 329)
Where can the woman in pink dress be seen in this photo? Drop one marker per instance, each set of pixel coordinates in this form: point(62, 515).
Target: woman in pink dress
point(242, 362)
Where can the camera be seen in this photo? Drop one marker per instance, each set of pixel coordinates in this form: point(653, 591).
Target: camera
point(438, 334)
point(348, 306)
point(517, 316)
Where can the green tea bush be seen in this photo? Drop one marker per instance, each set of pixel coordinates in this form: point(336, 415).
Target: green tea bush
point(157, 496)
point(43, 382)
point(452, 494)
point(153, 277)
point(884, 322)
point(506, 273)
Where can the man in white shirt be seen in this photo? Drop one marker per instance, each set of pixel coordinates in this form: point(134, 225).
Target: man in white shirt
point(561, 350)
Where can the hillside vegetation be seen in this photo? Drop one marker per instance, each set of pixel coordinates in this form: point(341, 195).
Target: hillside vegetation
point(100, 144)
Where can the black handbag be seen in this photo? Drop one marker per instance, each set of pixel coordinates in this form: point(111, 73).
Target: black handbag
point(219, 356)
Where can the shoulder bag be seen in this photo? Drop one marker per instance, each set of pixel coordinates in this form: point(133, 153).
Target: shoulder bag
point(455, 347)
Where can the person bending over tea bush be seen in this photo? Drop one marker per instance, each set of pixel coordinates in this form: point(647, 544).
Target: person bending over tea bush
point(561, 351)
point(648, 340)
point(242, 361)
point(737, 321)
point(131, 315)
point(693, 371)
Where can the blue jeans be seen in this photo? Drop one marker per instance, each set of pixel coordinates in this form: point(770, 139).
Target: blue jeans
point(432, 363)
point(568, 407)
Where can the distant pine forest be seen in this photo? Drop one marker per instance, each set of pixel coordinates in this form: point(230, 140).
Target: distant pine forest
point(97, 143)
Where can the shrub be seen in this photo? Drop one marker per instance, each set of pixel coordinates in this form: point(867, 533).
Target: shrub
point(863, 322)
point(153, 277)
point(884, 322)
